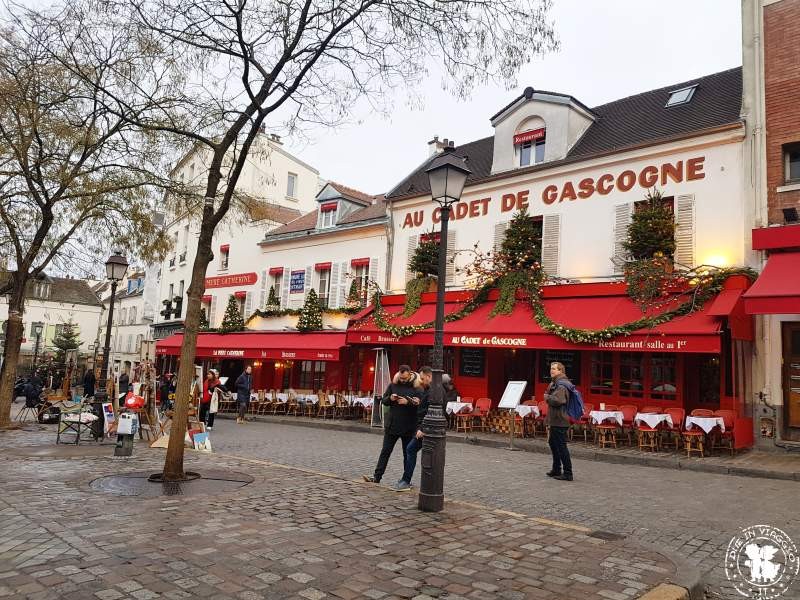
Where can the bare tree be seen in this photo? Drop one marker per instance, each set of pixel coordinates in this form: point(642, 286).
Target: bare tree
point(227, 67)
point(75, 177)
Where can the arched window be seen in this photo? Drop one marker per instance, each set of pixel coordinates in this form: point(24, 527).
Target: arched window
point(529, 142)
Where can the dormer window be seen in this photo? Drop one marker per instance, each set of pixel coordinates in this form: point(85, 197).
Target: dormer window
point(530, 146)
point(327, 214)
point(681, 96)
point(42, 290)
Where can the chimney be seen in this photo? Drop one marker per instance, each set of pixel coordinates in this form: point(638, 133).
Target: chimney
point(262, 128)
point(436, 146)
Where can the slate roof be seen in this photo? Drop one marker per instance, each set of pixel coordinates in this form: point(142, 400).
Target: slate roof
point(260, 211)
point(308, 222)
point(352, 193)
point(628, 122)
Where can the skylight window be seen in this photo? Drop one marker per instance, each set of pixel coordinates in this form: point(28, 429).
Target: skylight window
point(681, 96)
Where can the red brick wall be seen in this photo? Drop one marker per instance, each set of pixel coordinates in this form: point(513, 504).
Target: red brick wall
point(782, 97)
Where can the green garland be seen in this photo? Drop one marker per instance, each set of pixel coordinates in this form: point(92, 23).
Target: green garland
point(705, 283)
point(414, 290)
point(295, 312)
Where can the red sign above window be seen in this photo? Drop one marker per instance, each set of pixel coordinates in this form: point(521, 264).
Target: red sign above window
point(231, 280)
point(529, 136)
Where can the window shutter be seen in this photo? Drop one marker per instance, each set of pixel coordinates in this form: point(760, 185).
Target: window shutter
point(684, 232)
point(344, 283)
point(413, 242)
point(287, 274)
point(622, 218)
point(333, 286)
point(551, 239)
point(212, 312)
point(307, 281)
point(262, 298)
point(373, 272)
point(450, 271)
point(248, 306)
point(500, 234)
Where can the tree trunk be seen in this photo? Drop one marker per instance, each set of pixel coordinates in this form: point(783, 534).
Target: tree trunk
point(11, 352)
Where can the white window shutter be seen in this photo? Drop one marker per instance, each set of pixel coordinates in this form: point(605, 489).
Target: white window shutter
point(684, 231)
point(622, 218)
point(262, 297)
point(413, 242)
point(500, 235)
point(333, 286)
point(212, 312)
point(450, 272)
point(373, 272)
point(248, 305)
point(287, 275)
point(551, 240)
point(344, 282)
point(307, 282)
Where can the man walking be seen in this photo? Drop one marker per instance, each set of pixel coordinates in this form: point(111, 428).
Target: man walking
point(403, 397)
point(413, 447)
point(88, 383)
point(243, 386)
point(556, 396)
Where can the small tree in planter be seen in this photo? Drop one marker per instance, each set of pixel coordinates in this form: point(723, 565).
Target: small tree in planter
point(522, 245)
point(204, 326)
point(651, 232)
point(355, 297)
point(311, 314)
point(273, 304)
point(425, 263)
point(233, 320)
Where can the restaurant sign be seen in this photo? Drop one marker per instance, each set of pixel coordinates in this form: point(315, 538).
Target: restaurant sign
point(297, 282)
point(231, 280)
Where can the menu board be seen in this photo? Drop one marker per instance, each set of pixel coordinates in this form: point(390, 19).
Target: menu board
point(297, 282)
point(570, 359)
point(472, 362)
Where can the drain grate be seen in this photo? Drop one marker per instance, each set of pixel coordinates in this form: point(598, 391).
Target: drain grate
point(606, 535)
point(137, 484)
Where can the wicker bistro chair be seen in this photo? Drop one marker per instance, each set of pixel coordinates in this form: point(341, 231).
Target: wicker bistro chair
point(678, 416)
point(293, 405)
point(526, 424)
point(539, 423)
point(480, 411)
point(584, 424)
point(326, 406)
point(647, 437)
point(694, 440)
point(628, 415)
point(607, 432)
point(342, 408)
point(724, 439)
point(278, 407)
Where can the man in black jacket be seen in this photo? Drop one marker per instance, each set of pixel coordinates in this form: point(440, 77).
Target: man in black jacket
point(403, 397)
point(414, 446)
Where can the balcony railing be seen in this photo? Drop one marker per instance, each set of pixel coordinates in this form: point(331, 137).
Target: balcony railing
point(172, 262)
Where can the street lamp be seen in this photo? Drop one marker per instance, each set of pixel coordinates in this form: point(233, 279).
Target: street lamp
point(447, 175)
point(37, 331)
point(116, 265)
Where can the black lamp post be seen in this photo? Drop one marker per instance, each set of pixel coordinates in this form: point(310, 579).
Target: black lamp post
point(37, 331)
point(116, 265)
point(447, 175)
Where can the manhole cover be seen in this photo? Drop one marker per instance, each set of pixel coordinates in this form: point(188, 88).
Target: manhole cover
point(137, 484)
point(606, 535)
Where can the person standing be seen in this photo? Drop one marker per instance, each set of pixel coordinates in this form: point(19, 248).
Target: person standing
point(403, 396)
point(556, 396)
point(244, 383)
point(211, 383)
point(410, 460)
point(88, 383)
point(124, 384)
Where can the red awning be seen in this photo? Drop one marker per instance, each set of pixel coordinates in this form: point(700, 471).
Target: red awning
point(224, 247)
point(276, 271)
point(275, 345)
point(240, 295)
point(207, 298)
point(724, 303)
point(359, 262)
point(777, 289)
point(328, 207)
point(322, 266)
point(696, 332)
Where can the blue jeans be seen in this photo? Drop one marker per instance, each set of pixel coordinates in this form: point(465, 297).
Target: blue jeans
point(410, 462)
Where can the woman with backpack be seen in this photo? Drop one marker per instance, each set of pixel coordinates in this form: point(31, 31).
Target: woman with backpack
point(557, 396)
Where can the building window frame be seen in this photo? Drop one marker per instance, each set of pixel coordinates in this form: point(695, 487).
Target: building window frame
point(323, 287)
point(532, 153)
point(291, 185)
point(791, 163)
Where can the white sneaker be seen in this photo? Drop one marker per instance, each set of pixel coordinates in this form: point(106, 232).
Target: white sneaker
point(210, 427)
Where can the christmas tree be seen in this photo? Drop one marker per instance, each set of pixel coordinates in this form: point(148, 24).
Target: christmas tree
point(522, 246)
point(68, 338)
point(652, 229)
point(272, 300)
point(425, 260)
point(311, 314)
point(355, 299)
point(203, 320)
point(232, 321)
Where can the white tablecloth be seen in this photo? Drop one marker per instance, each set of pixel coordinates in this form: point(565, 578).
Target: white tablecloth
point(652, 420)
point(598, 416)
point(458, 407)
point(313, 398)
point(523, 410)
point(705, 423)
point(365, 402)
point(282, 397)
point(84, 418)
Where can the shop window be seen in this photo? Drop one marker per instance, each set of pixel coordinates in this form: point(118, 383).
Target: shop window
point(286, 379)
point(791, 157)
point(312, 374)
point(355, 371)
point(570, 359)
point(663, 377)
point(709, 377)
point(631, 375)
point(602, 373)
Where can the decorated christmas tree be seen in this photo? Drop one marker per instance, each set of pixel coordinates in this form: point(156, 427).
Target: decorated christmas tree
point(651, 232)
point(425, 259)
point(311, 314)
point(203, 320)
point(232, 321)
point(355, 298)
point(522, 246)
point(272, 300)
point(68, 338)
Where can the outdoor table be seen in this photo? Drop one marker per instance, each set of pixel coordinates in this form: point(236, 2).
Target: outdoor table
point(313, 398)
point(282, 397)
point(652, 420)
point(453, 408)
point(523, 410)
point(84, 417)
point(598, 416)
point(705, 423)
point(365, 402)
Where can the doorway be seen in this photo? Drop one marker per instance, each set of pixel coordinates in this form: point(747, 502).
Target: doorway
point(791, 381)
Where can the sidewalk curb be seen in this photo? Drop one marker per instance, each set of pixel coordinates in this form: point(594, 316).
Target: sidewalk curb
point(528, 445)
point(686, 584)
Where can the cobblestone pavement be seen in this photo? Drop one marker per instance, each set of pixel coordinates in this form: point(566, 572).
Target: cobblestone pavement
point(692, 513)
point(291, 533)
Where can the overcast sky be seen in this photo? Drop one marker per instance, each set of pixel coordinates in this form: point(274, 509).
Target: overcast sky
point(609, 49)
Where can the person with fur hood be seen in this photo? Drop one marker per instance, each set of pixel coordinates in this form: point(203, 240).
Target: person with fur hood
point(403, 397)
